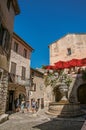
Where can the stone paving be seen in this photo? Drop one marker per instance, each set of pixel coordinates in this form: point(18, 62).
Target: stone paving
point(41, 121)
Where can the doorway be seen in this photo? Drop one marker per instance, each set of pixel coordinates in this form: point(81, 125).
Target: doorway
point(42, 103)
point(81, 93)
point(11, 100)
point(57, 94)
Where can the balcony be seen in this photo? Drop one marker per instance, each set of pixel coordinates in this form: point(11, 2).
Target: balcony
point(16, 79)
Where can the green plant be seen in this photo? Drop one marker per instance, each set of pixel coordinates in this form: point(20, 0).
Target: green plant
point(52, 79)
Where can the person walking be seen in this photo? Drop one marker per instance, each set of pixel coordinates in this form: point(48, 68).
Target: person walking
point(28, 105)
point(33, 105)
point(37, 106)
point(22, 105)
point(16, 102)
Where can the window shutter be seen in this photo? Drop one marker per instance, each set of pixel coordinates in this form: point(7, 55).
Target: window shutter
point(15, 47)
point(23, 73)
point(7, 41)
point(3, 41)
point(34, 87)
point(25, 53)
point(13, 68)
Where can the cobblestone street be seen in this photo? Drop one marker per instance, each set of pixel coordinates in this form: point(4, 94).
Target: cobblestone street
point(41, 121)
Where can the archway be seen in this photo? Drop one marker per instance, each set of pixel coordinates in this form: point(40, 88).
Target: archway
point(57, 94)
point(81, 94)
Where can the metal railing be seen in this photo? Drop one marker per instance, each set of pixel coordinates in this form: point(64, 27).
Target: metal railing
point(19, 80)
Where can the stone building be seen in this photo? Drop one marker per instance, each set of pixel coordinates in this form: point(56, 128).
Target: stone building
point(37, 87)
point(19, 71)
point(69, 47)
point(8, 10)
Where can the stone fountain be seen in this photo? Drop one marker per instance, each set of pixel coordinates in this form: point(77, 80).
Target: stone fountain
point(64, 108)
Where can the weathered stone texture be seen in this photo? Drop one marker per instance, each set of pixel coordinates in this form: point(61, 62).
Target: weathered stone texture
point(7, 22)
point(3, 92)
point(39, 91)
point(58, 49)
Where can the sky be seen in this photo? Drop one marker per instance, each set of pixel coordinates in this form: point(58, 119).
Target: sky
point(41, 22)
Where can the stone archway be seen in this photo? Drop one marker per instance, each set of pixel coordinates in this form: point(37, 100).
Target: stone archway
point(81, 94)
point(57, 94)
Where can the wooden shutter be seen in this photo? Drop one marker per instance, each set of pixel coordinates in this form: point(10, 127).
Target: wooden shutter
point(23, 73)
point(34, 86)
point(13, 68)
point(7, 41)
point(25, 53)
point(15, 47)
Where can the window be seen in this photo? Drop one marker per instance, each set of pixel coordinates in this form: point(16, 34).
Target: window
point(7, 41)
point(42, 103)
point(34, 87)
point(4, 38)
point(69, 51)
point(32, 74)
point(8, 4)
point(25, 53)
point(29, 55)
point(13, 68)
point(23, 73)
point(1, 34)
point(16, 47)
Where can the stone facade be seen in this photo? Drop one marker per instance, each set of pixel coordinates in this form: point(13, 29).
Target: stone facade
point(69, 47)
point(71, 43)
point(7, 15)
point(37, 87)
point(19, 70)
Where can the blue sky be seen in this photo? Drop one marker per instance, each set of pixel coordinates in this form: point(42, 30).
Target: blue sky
point(43, 21)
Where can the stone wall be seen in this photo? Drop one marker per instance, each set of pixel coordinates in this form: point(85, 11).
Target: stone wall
point(38, 93)
point(7, 21)
point(3, 91)
point(19, 85)
point(20, 61)
point(7, 15)
point(77, 44)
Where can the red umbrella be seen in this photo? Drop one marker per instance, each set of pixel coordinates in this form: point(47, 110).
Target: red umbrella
point(75, 62)
point(50, 67)
point(62, 64)
point(84, 62)
point(59, 65)
point(79, 63)
point(66, 64)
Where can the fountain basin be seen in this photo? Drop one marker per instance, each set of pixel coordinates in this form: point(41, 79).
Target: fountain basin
point(64, 109)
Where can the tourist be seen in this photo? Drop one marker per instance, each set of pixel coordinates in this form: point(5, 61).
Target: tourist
point(28, 105)
point(37, 106)
point(17, 106)
point(22, 105)
point(33, 105)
